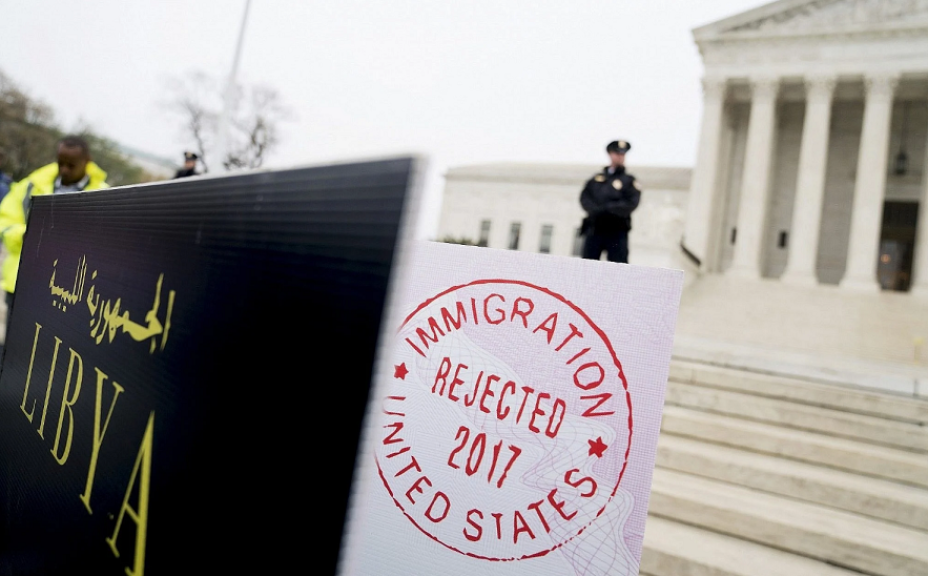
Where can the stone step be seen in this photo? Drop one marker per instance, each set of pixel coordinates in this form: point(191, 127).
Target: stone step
point(845, 398)
point(674, 549)
point(840, 538)
point(863, 495)
point(866, 428)
point(879, 461)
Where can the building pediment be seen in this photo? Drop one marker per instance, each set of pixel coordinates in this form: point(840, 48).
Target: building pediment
point(820, 18)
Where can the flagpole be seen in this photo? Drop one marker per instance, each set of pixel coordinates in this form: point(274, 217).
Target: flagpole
point(228, 94)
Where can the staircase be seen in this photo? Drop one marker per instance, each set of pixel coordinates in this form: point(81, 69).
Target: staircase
point(762, 475)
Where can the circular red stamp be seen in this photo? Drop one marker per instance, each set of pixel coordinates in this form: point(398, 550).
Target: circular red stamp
point(507, 425)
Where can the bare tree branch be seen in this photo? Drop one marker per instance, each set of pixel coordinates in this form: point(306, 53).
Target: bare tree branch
point(256, 112)
point(192, 99)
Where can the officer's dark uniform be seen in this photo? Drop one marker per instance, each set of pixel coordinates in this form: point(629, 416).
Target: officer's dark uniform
point(184, 172)
point(609, 198)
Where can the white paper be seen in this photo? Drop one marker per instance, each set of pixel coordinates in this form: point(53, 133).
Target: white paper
point(514, 416)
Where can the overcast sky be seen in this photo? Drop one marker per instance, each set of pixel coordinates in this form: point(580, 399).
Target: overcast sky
point(462, 82)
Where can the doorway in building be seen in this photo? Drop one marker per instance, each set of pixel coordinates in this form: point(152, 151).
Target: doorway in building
point(897, 245)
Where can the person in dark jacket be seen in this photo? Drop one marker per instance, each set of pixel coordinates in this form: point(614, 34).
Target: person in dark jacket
point(609, 198)
point(190, 166)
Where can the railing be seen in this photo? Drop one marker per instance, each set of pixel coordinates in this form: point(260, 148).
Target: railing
point(689, 255)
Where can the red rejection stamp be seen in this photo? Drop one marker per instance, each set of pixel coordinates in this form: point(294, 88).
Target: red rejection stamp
point(507, 425)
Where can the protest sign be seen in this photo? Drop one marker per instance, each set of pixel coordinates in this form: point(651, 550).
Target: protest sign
point(514, 422)
point(186, 370)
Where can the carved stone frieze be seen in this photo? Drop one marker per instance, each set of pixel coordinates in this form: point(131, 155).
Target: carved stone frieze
point(836, 14)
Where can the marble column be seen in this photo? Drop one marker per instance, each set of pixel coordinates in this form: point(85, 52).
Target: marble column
point(920, 258)
point(752, 206)
point(810, 183)
point(870, 185)
point(702, 196)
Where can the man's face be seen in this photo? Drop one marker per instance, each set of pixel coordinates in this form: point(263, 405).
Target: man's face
point(188, 164)
point(617, 158)
point(72, 164)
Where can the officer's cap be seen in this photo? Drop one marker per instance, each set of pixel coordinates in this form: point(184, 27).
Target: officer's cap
point(618, 146)
point(191, 156)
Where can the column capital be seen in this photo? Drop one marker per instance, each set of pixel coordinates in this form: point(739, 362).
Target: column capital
point(820, 84)
point(881, 85)
point(714, 86)
point(765, 86)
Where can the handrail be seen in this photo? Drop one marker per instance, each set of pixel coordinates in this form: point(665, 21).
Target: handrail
point(692, 257)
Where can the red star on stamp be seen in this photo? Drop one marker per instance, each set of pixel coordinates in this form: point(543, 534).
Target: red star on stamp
point(597, 447)
point(400, 371)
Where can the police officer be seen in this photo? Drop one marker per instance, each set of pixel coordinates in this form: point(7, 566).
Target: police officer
point(609, 198)
point(190, 165)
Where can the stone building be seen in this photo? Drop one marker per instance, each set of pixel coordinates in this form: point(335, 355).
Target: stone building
point(811, 158)
point(803, 218)
point(779, 452)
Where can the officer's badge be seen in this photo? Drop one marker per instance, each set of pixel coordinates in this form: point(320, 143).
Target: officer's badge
point(617, 184)
point(599, 178)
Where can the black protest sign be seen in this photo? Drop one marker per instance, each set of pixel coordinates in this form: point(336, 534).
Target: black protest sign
point(186, 371)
